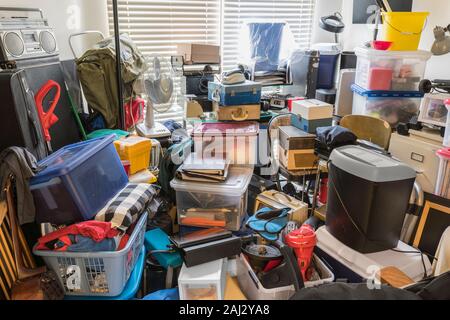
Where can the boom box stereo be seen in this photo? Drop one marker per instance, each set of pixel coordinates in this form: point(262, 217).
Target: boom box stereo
point(24, 35)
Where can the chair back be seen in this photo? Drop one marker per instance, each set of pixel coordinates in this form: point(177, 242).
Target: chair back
point(369, 128)
point(15, 255)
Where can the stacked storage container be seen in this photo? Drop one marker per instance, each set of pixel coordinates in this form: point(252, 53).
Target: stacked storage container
point(387, 83)
point(236, 102)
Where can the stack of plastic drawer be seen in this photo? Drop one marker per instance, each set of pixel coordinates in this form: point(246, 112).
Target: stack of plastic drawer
point(387, 84)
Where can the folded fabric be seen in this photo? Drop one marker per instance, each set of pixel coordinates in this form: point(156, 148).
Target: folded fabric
point(85, 244)
point(268, 222)
point(335, 136)
point(125, 208)
point(166, 294)
point(95, 230)
point(442, 264)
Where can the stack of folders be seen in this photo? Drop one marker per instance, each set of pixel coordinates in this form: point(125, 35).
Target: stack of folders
point(206, 170)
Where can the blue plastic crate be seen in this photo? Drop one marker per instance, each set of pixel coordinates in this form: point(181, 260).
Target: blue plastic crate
point(78, 181)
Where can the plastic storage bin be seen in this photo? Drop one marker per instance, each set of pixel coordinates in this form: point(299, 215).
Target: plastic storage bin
point(329, 56)
point(136, 150)
point(394, 107)
point(97, 273)
point(408, 68)
point(443, 180)
point(78, 181)
point(253, 289)
point(203, 282)
point(357, 267)
point(235, 141)
point(222, 204)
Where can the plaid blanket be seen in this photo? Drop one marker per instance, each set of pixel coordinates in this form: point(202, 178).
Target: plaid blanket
point(125, 208)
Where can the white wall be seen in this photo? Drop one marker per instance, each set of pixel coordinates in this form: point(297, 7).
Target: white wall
point(67, 17)
point(356, 35)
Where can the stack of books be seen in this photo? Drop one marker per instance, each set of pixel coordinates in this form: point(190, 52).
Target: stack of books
point(205, 170)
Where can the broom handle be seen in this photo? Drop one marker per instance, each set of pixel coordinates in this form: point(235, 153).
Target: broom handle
point(388, 7)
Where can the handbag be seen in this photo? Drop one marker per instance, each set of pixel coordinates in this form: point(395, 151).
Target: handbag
point(31, 284)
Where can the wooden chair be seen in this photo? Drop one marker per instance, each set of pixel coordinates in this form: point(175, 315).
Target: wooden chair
point(16, 261)
point(369, 128)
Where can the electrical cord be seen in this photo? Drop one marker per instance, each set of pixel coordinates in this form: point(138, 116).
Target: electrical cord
point(330, 179)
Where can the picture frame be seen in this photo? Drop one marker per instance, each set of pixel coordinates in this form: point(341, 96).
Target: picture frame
point(434, 220)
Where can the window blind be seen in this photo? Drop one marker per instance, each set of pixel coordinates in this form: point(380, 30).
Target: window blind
point(299, 14)
point(158, 26)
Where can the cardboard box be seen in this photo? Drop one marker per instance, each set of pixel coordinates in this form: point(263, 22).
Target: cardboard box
point(298, 159)
point(292, 138)
point(199, 53)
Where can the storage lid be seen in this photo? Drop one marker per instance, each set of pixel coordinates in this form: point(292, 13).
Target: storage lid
point(236, 184)
point(240, 87)
point(210, 271)
point(363, 264)
point(69, 157)
point(295, 133)
point(228, 129)
point(388, 54)
point(131, 141)
point(444, 153)
point(386, 93)
point(370, 165)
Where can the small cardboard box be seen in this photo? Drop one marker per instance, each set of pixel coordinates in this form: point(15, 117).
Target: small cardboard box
point(199, 53)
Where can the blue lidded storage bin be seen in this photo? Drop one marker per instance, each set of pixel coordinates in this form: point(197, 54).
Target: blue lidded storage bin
point(78, 181)
point(327, 70)
point(248, 92)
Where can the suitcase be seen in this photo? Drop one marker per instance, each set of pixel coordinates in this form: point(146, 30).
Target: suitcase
point(298, 159)
point(37, 73)
point(19, 120)
point(248, 92)
point(238, 113)
point(292, 138)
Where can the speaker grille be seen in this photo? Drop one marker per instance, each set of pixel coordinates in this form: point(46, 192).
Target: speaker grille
point(14, 44)
point(48, 41)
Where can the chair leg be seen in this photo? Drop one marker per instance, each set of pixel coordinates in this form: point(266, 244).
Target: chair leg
point(169, 277)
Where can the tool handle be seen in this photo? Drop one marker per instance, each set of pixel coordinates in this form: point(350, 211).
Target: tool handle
point(47, 118)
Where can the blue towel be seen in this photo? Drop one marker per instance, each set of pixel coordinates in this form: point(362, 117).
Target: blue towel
point(167, 294)
point(268, 222)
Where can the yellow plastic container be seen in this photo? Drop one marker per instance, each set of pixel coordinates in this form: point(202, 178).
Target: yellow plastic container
point(143, 176)
point(404, 29)
point(136, 150)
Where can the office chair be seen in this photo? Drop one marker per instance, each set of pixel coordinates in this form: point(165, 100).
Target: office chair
point(368, 128)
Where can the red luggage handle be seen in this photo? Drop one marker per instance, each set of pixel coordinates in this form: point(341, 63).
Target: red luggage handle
point(47, 118)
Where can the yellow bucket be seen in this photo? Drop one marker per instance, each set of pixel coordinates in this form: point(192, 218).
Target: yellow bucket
point(404, 29)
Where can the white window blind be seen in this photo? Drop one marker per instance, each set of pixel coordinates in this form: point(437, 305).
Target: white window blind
point(299, 14)
point(158, 26)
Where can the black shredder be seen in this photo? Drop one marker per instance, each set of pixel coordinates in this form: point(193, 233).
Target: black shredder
point(368, 195)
